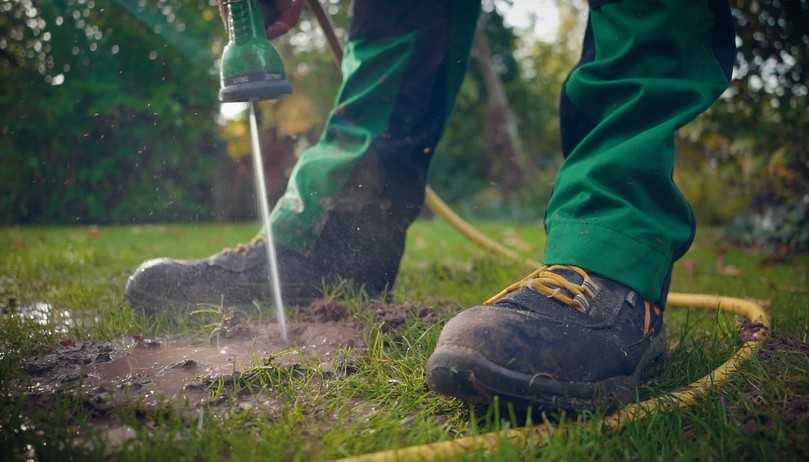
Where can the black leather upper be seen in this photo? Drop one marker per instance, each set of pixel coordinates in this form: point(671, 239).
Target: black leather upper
point(533, 334)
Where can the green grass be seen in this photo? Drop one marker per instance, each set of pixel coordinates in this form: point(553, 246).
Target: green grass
point(763, 413)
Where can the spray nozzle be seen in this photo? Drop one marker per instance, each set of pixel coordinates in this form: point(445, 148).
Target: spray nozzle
point(251, 68)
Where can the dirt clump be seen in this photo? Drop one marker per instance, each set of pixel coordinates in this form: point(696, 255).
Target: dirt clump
point(230, 327)
point(779, 344)
point(394, 315)
point(326, 310)
point(750, 331)
point(65, 361)
point(185, 364)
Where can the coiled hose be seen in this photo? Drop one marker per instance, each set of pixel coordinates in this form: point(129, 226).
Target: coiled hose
point(520, 437)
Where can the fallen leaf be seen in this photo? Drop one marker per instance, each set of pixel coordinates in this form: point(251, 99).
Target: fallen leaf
point(725, 269)
point(690, 267)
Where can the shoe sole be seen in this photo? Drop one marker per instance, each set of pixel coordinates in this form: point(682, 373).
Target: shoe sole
point(466, 374)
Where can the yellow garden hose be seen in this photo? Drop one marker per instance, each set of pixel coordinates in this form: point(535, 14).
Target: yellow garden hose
point(682, 398)
point(520, 437)
point(440, 208)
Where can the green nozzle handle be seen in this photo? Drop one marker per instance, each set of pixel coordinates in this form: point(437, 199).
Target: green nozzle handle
point(251, 68)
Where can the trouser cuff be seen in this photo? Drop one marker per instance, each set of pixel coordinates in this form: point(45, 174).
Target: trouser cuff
point(610, 254)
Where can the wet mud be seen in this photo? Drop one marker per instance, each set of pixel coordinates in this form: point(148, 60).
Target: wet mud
point(324, 335)
point(191, 372)
point(184, 369)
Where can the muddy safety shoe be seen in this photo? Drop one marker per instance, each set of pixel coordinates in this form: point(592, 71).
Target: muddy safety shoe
point(559, 339)
point(240, 275)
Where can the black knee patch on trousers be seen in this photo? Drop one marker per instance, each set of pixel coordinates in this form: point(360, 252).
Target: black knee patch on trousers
point(419, 109)
point(574, 123)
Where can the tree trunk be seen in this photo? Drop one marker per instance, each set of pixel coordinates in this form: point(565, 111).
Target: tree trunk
point(501, 131)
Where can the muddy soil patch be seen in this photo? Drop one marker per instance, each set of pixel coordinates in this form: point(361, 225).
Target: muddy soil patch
point(182, 368)
point(392, 316)
point(184, 372)
point(749, 331)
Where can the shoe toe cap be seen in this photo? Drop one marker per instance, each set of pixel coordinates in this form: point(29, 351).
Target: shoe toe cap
point(524, 343)
point(154, 284)
point(496, 334)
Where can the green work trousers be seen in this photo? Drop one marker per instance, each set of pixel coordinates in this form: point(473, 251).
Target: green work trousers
point(403, 66)
point(647, 68)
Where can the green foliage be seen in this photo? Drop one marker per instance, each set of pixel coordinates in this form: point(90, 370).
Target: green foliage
point(780, 229)
point(464, 171)
point(110, 110)
point(103, 119)
point(110, 114)
point(749, 154)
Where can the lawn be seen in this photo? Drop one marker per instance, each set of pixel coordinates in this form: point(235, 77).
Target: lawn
point(381, 401)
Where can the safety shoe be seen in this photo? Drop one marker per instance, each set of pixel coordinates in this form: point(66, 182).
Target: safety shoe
point(351, 248)
point(559, 339)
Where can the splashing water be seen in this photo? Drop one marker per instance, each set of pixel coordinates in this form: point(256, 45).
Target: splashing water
point(264, 209)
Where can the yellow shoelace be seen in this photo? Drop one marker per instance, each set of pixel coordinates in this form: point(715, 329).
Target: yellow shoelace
point(245, 246)
point(554, 285)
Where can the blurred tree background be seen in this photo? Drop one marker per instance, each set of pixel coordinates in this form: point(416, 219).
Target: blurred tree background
point(110, 116)
point(103, 120)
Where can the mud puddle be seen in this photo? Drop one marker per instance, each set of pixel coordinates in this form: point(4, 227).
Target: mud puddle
point(185, 368)
point(107, 373)
point(195, 374)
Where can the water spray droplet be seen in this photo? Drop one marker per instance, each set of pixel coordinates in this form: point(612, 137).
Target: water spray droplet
point(264, 208)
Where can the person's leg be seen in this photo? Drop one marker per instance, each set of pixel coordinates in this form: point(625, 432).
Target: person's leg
point(588, 329)
point(647, 69)
point(352, 195)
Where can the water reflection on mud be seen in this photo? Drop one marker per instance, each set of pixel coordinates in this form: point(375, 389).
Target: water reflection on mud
point(187, 368)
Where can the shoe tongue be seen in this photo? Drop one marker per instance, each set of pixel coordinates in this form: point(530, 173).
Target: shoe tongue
point(532, 301)
point(605, 304)
point(570, 275)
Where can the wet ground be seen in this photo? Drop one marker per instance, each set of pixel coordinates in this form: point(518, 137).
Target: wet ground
point(195, 373)
point(188, 371)
point(107, 372)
